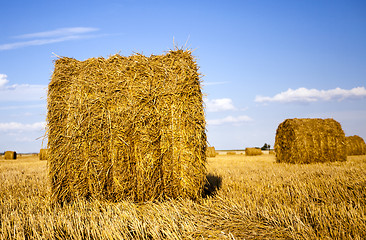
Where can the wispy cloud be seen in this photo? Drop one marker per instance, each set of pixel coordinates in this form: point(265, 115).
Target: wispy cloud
point(27, 106)
point(230, 120)
point(21, 127)
point(37, 42)
point(59, 32)
point(221, 104)
point(313, 95)
point(48, 37)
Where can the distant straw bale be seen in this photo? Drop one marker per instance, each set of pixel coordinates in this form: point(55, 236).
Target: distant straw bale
point(126, 128)
point(355, 145)
point(10, 155)
point(211, 152)
point(253, 151)
point(43, 154)
point(231, 153)
point(310, 140)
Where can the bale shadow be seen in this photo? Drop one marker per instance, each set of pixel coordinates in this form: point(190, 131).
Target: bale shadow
point(213, 184)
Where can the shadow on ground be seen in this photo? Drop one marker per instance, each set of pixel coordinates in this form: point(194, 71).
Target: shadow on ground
point(213, 184)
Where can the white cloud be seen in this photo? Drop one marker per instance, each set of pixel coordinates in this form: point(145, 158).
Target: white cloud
point(217, 105)
point(54, 36)
point(23, 93)
point(21, 127)
point(3, 80)
point(20, 92)
point(230, 120)
point(314, 95)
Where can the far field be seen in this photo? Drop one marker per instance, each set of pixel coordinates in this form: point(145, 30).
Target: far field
point(249, 197)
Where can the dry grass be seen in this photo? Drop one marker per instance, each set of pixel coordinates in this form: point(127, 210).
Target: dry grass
point(249, 198)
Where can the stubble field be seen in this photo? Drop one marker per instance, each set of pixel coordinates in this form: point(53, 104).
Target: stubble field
point(249, 197)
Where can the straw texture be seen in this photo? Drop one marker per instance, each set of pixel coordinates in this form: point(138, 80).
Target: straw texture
point(253, 151)
point(310, 140)
point(355, 145)
point(126, 128)
point(9, 155)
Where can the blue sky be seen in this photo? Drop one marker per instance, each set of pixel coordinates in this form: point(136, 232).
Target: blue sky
point(262, 61)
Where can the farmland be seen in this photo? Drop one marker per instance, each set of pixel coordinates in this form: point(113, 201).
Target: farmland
point(249, 197)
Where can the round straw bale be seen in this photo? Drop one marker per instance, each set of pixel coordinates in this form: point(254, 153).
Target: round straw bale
point(310, 140)
point(9, 155)
point(355, 145)
point(43, 154)
point(211, 152)
point(253, 151)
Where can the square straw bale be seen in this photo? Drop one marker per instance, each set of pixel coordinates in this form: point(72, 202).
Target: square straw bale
point(126, 128)
point(355, 145)
point(309, 140)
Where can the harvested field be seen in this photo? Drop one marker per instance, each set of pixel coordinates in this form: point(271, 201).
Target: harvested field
point(248, 198)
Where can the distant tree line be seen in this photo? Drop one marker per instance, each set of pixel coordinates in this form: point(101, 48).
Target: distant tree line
point(266, 147)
